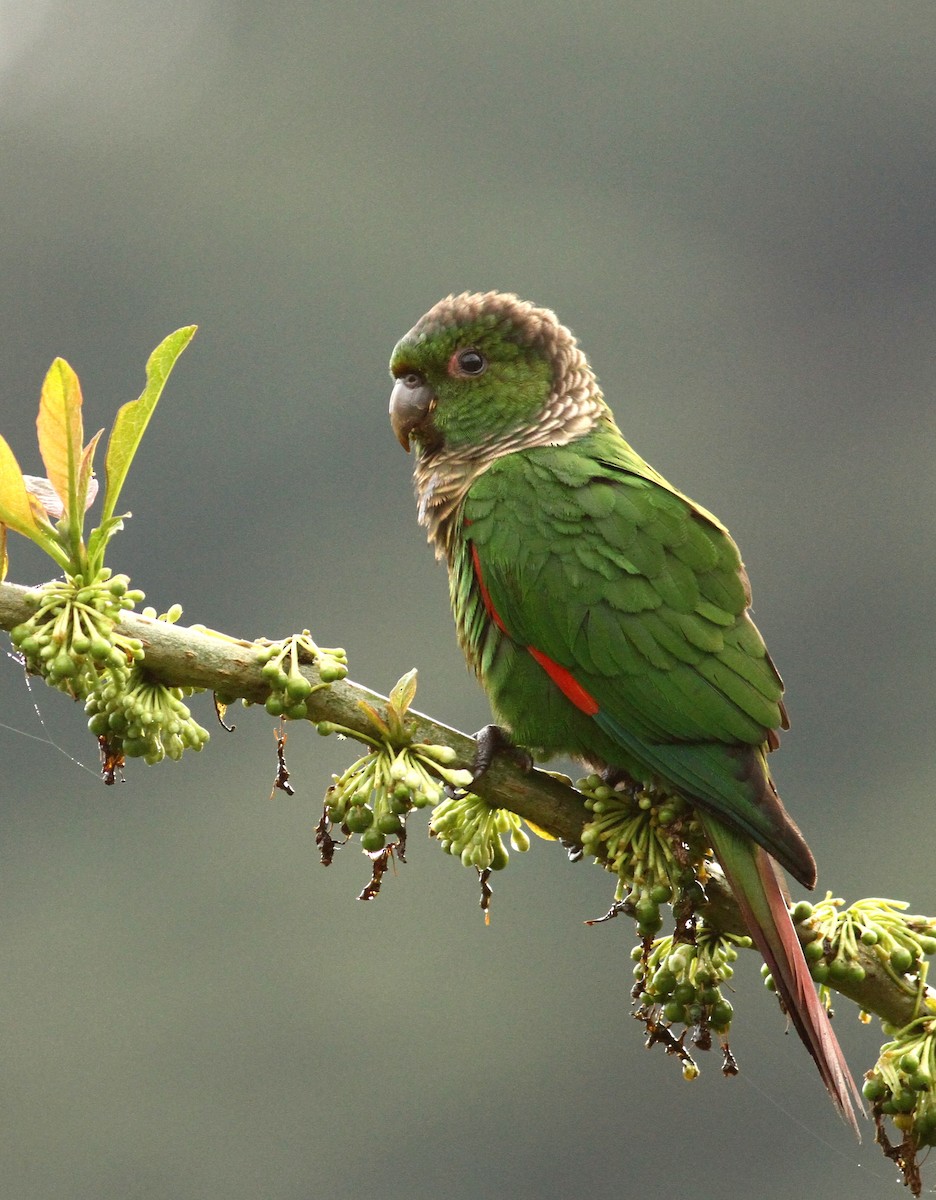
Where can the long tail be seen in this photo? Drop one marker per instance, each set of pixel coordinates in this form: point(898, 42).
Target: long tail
point(753, 879)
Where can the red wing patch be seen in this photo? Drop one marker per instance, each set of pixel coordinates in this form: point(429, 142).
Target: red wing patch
point(485, 594)
point(566, 683)
point(562, 678)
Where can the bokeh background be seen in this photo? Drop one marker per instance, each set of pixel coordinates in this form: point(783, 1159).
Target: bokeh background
point(733, 206)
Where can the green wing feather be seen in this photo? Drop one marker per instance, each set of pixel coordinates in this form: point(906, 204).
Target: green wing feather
point(592, 558)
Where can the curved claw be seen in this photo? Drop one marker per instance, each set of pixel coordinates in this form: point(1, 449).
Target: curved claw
point(493, 740)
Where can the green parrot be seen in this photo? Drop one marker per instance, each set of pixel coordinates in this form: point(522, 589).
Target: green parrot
point(604, 612)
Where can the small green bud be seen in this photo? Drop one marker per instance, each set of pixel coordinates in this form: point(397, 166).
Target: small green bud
point(519, 840)
point(684, 993)
point(500, 857)
point(901, 959)
point(722, 1012)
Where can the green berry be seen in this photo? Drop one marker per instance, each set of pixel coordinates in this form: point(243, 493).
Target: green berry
point(663, 980)
point(874, 1089)
point(856, 973)
point(901, 959)
point(358, 818)
point(298, 687)
point(63, 666)
point(372, 840)
point(98, 724)
point(389, 822)
point(100, 648)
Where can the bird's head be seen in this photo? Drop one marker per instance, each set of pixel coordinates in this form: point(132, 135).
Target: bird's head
point(479, 369)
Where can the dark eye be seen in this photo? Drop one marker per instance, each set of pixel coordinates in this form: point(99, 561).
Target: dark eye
point(470, 362)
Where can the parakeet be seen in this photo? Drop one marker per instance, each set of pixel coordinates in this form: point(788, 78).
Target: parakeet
point(604, 612)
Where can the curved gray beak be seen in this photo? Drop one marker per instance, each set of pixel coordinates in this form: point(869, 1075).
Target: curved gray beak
point(411, 401)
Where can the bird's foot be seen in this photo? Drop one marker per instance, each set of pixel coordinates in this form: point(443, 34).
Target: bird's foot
point(617, 778)
point(493, 740)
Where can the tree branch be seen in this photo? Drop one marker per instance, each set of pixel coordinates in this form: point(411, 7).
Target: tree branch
point(183, 656)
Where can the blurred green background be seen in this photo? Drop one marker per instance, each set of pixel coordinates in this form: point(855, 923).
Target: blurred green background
point(733, 207)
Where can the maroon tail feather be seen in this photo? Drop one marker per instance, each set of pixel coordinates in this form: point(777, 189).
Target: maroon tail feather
point(753, 878)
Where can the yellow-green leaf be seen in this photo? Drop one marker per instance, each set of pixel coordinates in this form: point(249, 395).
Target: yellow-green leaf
point(132, 419)
point(4, 559)
point(86, 490)
point(404, 692)
point(16, 509)
point(60, 432)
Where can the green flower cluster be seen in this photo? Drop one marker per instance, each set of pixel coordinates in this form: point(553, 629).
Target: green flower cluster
point(832, 938)
point(473, 831)
point(651, 840)
point(902, 1083)
point(141, 717)
point(289, 688)
point(372, 797)
point(70, 639)
point(682, 980)
point(149, 720)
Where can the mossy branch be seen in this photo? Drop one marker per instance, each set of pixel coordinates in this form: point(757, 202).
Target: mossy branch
point(181, 656)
